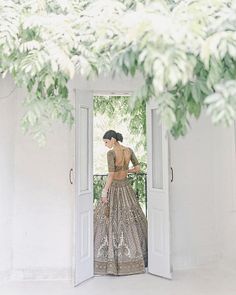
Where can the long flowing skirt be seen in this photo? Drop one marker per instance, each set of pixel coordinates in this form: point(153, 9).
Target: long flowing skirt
point(120, 232)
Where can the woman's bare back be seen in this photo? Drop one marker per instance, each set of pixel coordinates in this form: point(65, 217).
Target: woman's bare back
point(122, 156)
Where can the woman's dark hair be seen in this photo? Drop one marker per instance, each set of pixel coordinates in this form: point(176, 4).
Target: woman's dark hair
point(111, 133)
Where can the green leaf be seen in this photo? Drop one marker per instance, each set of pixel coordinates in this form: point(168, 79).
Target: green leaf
point(196, 92)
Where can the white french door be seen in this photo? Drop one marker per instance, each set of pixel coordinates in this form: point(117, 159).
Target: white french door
point(83, 238)
point(157, 191)
point(158, 194)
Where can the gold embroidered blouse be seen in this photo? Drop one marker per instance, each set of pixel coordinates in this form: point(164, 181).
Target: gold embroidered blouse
point(118, 161)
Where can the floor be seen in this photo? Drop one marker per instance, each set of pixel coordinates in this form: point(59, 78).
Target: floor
point(208, 280)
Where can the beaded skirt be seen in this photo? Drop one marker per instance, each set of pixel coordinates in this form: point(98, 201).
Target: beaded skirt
point(120, 232)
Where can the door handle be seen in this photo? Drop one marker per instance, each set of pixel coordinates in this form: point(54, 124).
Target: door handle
point(172, 174)
point(70, 175)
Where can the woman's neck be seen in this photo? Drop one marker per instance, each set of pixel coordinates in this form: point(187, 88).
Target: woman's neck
point(116, 145)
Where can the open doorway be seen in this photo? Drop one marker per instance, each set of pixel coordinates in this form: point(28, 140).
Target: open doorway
point(157, 191)
point(120, 226)
point(111, 112)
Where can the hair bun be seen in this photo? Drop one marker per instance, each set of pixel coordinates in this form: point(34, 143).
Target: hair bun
point(119, 136)
point(111, 133)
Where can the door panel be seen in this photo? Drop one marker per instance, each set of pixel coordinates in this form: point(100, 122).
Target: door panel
point(158, 194)
point(83, 268)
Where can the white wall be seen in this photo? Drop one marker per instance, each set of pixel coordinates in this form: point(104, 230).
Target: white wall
point(43, 204)
point(7, 119)
point(228, 194)
point(37, 203)
point(202, 195)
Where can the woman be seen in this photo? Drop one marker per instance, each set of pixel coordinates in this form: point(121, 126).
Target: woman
point(120, 226)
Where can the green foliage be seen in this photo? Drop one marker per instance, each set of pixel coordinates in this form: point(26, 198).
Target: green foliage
point(185, 51)
point(119, 108)
point(98, 185)
point(222, 103)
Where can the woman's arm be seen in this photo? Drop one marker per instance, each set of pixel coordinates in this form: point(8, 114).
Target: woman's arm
point(107, 186)
point(135, 162)
point(134, 169)
point(109, 180)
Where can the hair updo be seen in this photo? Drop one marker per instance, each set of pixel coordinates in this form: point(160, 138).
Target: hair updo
point(111, 133)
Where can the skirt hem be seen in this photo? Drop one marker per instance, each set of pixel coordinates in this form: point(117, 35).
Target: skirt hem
point(123, 268)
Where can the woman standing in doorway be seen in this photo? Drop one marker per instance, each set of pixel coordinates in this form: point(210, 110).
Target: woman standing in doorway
point(120, 226)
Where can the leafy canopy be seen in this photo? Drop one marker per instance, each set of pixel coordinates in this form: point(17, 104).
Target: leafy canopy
point(117, 109)
point(185, 51)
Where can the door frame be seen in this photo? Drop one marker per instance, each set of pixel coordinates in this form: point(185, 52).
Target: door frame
point(234, 169)
point(114, 92)
point(158, 194)
point(83, 213)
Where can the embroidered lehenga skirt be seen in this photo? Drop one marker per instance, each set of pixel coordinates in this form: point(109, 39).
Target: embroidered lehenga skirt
point(120, 233)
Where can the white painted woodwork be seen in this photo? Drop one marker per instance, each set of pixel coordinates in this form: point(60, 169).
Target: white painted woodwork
point(158, 195)
point(83, 269)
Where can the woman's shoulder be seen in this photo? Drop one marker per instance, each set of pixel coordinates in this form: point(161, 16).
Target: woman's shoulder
point(111, 153)
point(126, 147)
point(129, 148)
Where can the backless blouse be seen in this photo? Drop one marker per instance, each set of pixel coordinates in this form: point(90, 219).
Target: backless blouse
point(118, 161)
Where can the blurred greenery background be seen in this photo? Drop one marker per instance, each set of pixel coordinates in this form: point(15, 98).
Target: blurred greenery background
point(112, 112)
